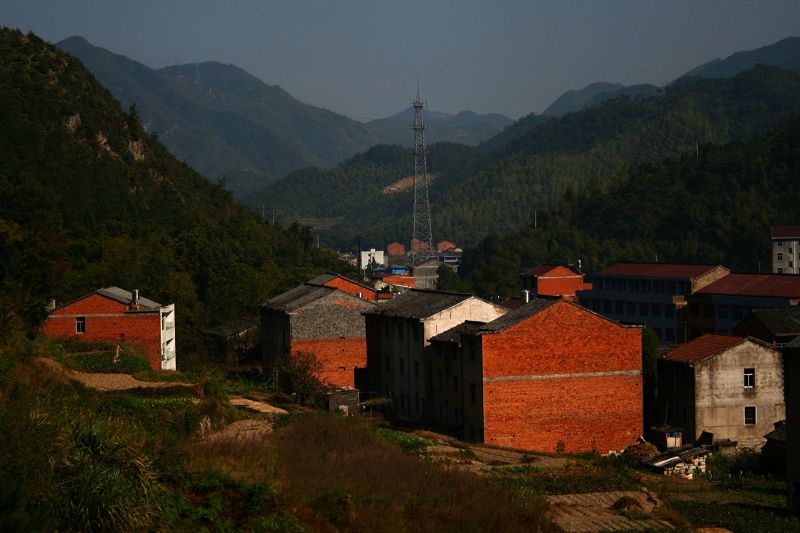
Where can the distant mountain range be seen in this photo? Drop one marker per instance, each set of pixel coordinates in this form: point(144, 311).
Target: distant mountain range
point(224, 122)
point(593, 94)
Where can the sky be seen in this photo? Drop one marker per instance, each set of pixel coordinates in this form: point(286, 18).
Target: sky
point(362, 58)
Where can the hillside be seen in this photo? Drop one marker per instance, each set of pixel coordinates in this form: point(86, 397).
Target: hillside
point(223, 121)
point(498, 190)
point(90, 200)
point(464, 128)
point(784, 53)
point(715, 206)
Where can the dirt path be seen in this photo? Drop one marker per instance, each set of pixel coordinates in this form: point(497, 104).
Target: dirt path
point(106, 382)
point(594, 512)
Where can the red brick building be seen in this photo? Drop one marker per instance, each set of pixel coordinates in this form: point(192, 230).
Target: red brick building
point(400, 280)
point(396, 249)
point(320, 320)
point(553, 280)
point(354, 288)
point(115, 315)
point(550, 376)
point(445, 245)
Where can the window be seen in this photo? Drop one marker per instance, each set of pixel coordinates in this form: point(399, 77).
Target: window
point(642, 309)
point(618, 308)
point(749, 415)
point(655, 309)
point(80, 325)
point(780, 256)
point(749, 378)
point(631, 308)
point(780, 271)
point(473, 393)
point(780, 243)
point(790, 250)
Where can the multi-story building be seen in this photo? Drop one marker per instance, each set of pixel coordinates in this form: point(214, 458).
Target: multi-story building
point(730, 387)
point(398, 338)
point(116, 315)
point(553, 280)
point(318, 320)
point(651, 294)
point(549, 376)
point(720, 306)
point(785, 241)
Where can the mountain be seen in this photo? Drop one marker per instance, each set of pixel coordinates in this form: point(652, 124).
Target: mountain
point(89, 200)
point(715, 205)
point(223, 121)
point(482, 191)
point(784, 53)
point(464, 128)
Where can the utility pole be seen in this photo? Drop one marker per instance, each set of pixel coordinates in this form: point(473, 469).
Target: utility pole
point(421, 233)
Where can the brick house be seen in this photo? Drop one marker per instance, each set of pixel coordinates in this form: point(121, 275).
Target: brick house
point(720, 306)
point(651, 294)
point(445, 245)
point(549, 376)
point(115, 315)
point(396, 249)
point(320, 320)
point(553, 280)
point(354, 288)
point(731, 387)
point(398, 339)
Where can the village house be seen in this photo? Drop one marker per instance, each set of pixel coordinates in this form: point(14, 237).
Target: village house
point(773, 326)
point(728, 386)
point(426, 275)
point(115, 315)
point(372, 257)
point(396, 249)
point(235, 341)
point(398, 339)
point(549, 376)
point(318, 320)
point(353, 288)
point(722, 305)
point(445, 245)
point(785, 242)
point(651, 294)
point(553, 280)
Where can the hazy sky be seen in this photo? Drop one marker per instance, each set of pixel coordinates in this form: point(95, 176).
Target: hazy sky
point(361, 58)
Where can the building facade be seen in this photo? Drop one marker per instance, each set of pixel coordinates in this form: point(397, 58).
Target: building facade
point(553, 280)
point(398, 338)
point(785, 240)
point(730, 387)
point(318, 320)
point(650, 294)
point(115, 315)
point(549, 376)
point(353, 288)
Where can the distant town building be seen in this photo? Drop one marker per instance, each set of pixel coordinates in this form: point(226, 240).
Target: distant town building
point(115, 315)
point(720, 306)
point(450, 257)
point(425, 274)
point(398, 338)
point(652, 294)
point(396, 249)
point(785, 241)
point(549, 376)
point(337, 281)
point(400, 281)
point(445, 245)
point(553, 280)
point(373, 256)
point(419, 246)
point(730, 387)
point(319, 320)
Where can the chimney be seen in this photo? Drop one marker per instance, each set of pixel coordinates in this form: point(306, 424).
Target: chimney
point(51, 305)
point(135, 298)
point(526, 295)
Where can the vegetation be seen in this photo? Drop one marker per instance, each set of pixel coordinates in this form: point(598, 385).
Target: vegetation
point(90, 200)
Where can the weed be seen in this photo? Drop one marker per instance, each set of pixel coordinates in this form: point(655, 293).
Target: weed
point(409, 443)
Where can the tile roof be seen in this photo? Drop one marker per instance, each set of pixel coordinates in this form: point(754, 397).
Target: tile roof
point(126, 297)
point(702, 348)
point(297, 297)
point(785, 232)
point(657, 270)
point(418, 303)
point(535, 306)
point(470, 327)
point(779, 322)
point(327, 277)
point(558, 270)
point(770, 285)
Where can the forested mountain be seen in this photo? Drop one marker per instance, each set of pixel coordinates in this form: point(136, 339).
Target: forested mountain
point(711, 206)
point(88, 199)
point(498, 191)
point(223, 121)
point(463, 128)
point(784, 53)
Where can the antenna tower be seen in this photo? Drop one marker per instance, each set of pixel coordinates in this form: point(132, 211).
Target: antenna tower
point(421, 234)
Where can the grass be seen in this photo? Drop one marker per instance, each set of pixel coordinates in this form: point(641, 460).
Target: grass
point(407, 442)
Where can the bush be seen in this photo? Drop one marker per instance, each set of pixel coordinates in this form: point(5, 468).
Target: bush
point(734, 468)
point(126, 361)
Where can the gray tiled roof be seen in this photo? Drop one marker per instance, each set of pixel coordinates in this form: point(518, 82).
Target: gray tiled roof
point(454, 334)
point(125, 297)
point(531, 308)
point(784, 321)
point(416, 303)
point(297, 297)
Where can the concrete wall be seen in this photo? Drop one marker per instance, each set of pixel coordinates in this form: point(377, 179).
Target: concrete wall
point(720, 395)
point(788, 251)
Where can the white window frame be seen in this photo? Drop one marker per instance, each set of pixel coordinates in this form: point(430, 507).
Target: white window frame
point(751, 383)
point(80, 321)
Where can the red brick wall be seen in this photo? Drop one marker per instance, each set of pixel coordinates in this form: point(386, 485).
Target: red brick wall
point(92, 304)
point(140, 329)
point(339, 357)
point(559, 286)
point(596, 412)
point(353, 288)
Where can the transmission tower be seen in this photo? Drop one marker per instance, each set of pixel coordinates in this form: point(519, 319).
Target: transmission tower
point(421, 234)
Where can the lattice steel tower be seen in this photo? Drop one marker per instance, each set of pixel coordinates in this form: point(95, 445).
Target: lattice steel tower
point(421, 234)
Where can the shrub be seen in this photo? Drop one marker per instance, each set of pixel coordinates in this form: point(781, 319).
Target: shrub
point(127, 361)
point(734, 467)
